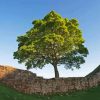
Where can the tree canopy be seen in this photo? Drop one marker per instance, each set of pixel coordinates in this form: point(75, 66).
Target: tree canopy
point(52, 40)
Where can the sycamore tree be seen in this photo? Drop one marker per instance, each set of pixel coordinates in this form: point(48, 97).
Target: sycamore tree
point(52, 40)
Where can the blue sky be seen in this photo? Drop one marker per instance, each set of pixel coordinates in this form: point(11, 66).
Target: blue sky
point(16, 17)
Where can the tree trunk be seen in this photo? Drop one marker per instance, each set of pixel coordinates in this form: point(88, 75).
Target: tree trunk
point(56, 71)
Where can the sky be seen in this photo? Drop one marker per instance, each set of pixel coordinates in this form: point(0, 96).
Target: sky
point(16, 18)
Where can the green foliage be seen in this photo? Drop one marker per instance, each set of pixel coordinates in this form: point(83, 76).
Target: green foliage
point(54, 40)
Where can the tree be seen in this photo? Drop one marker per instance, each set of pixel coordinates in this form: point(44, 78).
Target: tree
point(52, 40)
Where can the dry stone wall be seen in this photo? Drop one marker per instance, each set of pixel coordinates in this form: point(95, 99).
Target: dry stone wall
point(28, 82)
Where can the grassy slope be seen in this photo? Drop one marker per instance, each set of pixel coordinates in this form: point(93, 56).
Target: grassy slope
point(10, 94)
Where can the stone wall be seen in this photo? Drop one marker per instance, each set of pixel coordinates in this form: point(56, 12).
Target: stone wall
point(28, 82)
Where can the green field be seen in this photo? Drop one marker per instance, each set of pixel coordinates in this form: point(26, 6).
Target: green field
point(10, 94)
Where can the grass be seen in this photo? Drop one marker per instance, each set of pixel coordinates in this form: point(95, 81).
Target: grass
point(7, 93)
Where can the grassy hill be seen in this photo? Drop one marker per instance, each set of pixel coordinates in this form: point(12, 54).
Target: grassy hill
point(7, 93)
